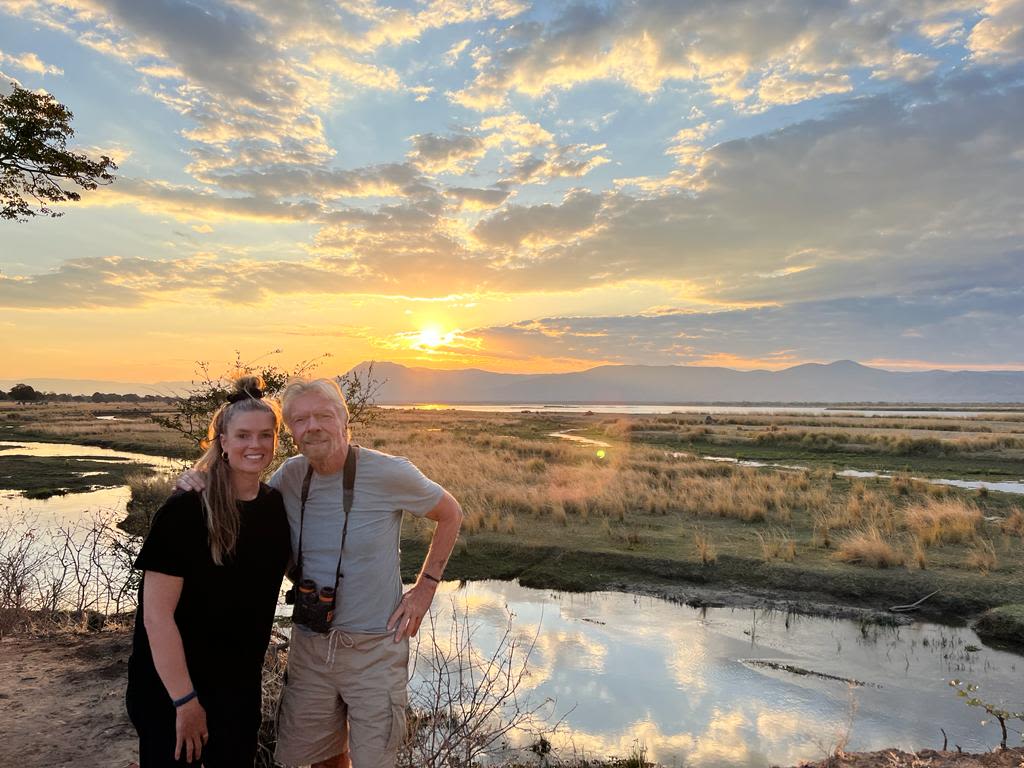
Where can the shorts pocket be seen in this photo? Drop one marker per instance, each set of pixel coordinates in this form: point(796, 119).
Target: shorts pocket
point(399, 729)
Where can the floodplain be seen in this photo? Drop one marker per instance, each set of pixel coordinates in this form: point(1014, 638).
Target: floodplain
point(679, 504)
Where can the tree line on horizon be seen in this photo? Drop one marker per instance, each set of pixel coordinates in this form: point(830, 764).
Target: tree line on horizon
point(25, 393)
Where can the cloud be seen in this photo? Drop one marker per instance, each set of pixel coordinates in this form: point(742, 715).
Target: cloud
point(999, 36)
point(884, 193)
point(539, 225)
point(251, 77)
point(473, 199)
point(563, 161)
point(317, 183)
point(869, 329)
point(452, 55)
point(460, 151)
point(29, 62)
point(357, 72)
point(513, 128)
point(748, 54)
point(190, 204)
point(446, 154)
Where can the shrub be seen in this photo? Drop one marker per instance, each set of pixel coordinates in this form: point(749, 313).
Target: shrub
point(148, 493)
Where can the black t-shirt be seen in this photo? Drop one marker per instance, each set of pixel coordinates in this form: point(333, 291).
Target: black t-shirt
point(225, 612)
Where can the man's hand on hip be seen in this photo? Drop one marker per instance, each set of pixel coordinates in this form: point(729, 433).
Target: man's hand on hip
point(405, 621)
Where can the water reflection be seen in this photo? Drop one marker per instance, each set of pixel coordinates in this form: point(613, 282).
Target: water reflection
point(58, 450)
point(74, 505)
point(58, 508)
point(633, 669)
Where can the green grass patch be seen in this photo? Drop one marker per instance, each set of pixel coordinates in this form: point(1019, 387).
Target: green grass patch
point(39, 477)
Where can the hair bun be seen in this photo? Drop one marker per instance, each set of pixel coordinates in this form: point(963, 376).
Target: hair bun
point(247, 387)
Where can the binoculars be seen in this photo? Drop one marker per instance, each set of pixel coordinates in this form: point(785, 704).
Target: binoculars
point(314, 608)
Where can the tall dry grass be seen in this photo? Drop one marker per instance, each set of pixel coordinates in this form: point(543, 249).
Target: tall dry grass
point(776, 545)
point(982, 556)
point(707, 553)
point(511, 477)
point(512, 481)
point(1013, 524)
point(943, 521)
point(868, 546)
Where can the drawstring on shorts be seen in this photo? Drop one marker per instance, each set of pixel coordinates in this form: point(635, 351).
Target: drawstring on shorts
point(333, 638)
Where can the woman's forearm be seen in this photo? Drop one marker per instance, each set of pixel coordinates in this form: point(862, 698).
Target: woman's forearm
point(161, 594)
point(169, 656)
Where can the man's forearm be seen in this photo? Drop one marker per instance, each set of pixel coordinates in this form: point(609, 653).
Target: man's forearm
point(441, 546)
point(449, 520)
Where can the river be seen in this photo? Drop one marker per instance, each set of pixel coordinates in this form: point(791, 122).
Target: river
point(709, 687)
point(73, 505)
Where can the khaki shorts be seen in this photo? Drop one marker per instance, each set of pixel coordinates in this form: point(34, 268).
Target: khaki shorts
point(354, 702)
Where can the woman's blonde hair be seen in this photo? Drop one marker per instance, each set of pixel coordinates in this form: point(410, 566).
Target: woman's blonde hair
point(220, 501)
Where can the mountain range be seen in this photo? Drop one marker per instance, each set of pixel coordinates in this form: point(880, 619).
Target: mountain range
point(843, 381)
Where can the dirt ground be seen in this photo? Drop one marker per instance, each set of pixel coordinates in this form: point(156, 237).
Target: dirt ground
point(62, 704)
point(62, 701)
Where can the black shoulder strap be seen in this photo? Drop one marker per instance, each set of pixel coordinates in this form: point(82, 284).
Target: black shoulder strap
point(348, 495)
point(302, 515)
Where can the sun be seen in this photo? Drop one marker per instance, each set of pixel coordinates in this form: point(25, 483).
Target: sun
point(431, 337)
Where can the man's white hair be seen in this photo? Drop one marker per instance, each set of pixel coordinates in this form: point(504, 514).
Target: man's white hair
point(327, 387)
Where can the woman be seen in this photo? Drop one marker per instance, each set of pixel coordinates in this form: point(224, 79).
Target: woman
point(213, 564)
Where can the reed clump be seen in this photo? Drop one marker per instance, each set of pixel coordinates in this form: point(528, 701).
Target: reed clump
point(982, 556)
point(943, 521)
point(705, 547)
point(869, 547)
point(1013, 525)
point(776, 545)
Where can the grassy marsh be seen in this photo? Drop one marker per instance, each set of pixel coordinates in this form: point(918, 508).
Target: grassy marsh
point(558, 514)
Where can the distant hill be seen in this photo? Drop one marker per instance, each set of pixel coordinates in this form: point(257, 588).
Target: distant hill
point(844, 381)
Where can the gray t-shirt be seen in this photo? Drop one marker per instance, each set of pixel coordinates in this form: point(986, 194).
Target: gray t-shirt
point(385, 486)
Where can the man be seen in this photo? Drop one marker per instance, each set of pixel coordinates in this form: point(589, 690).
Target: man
point(346, 688)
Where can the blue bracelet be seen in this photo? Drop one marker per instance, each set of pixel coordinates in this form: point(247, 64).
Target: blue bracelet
point(184, 699)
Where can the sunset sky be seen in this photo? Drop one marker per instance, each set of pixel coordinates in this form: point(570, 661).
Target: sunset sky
point(524, 186)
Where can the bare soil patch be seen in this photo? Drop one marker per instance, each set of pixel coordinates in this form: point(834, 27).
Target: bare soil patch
point(62, 701)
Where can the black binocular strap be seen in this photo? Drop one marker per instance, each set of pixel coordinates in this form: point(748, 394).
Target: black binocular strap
point(348, 494)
